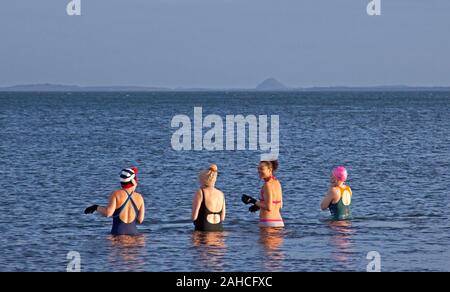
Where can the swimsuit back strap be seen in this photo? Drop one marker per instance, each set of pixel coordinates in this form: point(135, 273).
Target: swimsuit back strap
point(129, 198)
point(209, 212)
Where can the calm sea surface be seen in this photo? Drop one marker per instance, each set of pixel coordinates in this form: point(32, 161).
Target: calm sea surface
point(61, 152)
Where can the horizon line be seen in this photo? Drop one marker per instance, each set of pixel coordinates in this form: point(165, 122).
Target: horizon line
point(29, 87)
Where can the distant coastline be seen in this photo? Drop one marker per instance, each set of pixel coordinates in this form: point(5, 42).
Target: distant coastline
point(271, 85)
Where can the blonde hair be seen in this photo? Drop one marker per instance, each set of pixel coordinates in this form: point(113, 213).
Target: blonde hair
point(208, 176)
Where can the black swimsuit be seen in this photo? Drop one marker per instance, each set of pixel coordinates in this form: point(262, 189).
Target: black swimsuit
point(202, 224)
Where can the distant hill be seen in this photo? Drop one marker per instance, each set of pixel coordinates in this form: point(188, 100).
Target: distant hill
point(271, 84)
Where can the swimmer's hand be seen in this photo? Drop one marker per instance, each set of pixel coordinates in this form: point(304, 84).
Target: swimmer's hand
point(248, 200)
point(91, 209)
point(253, 209)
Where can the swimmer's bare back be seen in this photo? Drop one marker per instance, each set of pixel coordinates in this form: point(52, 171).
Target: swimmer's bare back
point(128, 215)
point(271, 200)
point(214, 201)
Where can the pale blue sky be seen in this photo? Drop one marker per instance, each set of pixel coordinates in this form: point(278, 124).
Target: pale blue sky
point(225, 43)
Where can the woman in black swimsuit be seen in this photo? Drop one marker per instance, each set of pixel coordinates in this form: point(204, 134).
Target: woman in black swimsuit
point(208, 207)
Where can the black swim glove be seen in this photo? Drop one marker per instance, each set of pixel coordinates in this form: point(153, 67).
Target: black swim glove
point(91, 209)
point(248, 200)
point(253, 209)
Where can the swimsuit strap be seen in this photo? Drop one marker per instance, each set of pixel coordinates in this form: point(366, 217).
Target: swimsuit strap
point(206, 208)
point(129, 199)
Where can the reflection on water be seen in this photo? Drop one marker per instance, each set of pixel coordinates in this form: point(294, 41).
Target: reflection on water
point(341, 240)
point(211, 249)
point(271, 240)
point(129, 251)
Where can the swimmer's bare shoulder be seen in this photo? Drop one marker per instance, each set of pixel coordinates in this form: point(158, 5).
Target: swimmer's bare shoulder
point(273, 186)
point(139, 198)
point(136, 196)
point(335, 194)
point(331, 197)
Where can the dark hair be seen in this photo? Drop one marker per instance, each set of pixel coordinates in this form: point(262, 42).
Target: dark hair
point(271, 164)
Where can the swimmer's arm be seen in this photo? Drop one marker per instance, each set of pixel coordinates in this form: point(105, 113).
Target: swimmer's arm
point(222, 216)
point(141, 214)
point(109, 210)
point(331, 196)
point(196, 204)
point(267, 204)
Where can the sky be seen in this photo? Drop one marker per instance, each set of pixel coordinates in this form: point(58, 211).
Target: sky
point(225, 43)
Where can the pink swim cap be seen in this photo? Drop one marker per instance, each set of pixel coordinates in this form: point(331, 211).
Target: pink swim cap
point(340, 173)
